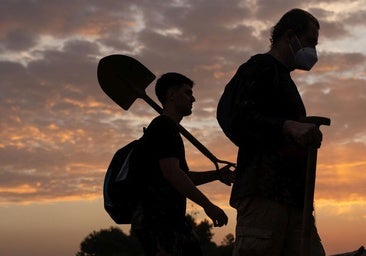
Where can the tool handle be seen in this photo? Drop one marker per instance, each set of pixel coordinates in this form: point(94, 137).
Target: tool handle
point(308, 201)
point(310, 187)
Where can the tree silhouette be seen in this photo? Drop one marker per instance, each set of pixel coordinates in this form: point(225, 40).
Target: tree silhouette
point(109, 242)
point(204, 232)
point(113, 242)
point(226, 247)
point(228, 240)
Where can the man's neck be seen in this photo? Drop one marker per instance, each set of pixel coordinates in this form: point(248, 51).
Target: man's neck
point(281, 57)
point(172, 115)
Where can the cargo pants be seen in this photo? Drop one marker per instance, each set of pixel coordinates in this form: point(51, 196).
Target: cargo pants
point(269, 228)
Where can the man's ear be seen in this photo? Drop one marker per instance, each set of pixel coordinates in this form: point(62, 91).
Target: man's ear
point(170, 95)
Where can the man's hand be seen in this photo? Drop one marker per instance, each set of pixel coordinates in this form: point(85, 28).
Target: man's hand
point(226, 175)
point(217, 215)
point(305, 134)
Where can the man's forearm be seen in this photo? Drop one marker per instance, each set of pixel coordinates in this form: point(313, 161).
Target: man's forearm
point(183, 184)
point(199, 178)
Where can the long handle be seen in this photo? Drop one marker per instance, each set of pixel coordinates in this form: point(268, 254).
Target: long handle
point(308, 200)
point(310, 187)
point(185, 133)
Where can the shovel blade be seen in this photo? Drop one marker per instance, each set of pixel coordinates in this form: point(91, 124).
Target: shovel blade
point(123, 79)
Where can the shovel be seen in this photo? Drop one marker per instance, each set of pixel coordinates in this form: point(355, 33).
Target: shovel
point(124, 79)
point(309, 187)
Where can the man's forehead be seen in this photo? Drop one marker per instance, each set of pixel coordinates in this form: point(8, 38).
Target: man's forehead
point(183, 88)
point(187, 87)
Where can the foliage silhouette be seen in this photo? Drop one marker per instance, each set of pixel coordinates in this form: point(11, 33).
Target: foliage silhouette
point(113, 242)
point(109, 242)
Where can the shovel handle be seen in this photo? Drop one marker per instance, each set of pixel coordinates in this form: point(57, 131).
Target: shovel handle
point(308, 200)
point(310, 187)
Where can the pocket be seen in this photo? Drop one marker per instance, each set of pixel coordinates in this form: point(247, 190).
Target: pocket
point(253, 241)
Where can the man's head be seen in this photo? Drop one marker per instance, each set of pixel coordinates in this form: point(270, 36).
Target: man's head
point(296, 30)
point(296, 20)
point(174, 90)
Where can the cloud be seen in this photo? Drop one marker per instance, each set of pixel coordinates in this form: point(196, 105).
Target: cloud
point(59, 130)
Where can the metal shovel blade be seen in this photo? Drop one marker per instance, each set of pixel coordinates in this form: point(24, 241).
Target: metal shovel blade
point(123, 79)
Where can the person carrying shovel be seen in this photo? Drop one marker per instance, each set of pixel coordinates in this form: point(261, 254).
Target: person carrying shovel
point(160, 222)
point(274, 137)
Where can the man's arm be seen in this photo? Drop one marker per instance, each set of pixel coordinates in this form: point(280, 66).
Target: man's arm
point(224, 174)
point(255, 97)
point(183, 184)
point(253, 119)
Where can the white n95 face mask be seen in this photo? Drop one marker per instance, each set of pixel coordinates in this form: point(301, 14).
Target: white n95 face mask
point(305, 58)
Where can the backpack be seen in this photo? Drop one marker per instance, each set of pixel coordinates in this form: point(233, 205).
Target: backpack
point(226, 111)
point(121, 184)
point(229, 105)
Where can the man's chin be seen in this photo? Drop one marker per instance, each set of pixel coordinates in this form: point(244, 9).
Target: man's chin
point(188, 113)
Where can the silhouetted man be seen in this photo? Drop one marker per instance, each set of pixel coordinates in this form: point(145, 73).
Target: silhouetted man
point(160, 222)
point(268, 192)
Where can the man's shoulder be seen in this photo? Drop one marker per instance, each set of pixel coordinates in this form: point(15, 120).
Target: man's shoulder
point(161, 126)
point(262, 59)
point(162, 119)
point(259, 64)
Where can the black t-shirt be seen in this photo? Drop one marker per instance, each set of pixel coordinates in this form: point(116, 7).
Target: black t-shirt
point(163, 205)
point(269, 164)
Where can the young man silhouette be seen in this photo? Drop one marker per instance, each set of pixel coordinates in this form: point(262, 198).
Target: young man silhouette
point(160, 222)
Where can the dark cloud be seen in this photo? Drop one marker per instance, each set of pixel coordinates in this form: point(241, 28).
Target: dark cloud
point(356, 18)
point(18, 40)
point(334, 63)
point(333, 30)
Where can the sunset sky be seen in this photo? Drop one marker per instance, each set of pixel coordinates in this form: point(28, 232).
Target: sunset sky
point(58, 130)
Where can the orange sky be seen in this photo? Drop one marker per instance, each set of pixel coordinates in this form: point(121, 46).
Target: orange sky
point(58, 130)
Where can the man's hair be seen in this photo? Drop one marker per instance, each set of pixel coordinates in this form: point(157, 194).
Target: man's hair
point(296, 19)
point(169, 81)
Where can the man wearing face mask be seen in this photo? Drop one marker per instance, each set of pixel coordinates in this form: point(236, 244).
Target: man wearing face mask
point(270, 176)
